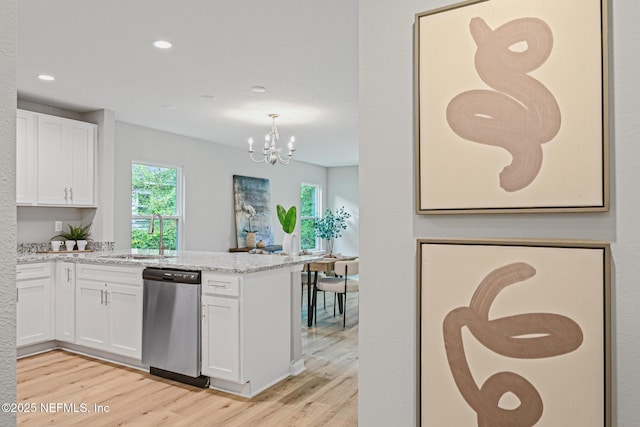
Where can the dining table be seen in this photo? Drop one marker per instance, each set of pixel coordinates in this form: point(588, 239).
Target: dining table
point(324, 265)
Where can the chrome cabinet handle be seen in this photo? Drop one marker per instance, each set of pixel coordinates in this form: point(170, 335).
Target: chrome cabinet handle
point(66, 194)
point(68, 275)
point(106, 297)
point(101, 296)
point(71, 194)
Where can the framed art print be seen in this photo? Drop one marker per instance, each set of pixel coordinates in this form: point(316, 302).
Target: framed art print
point(514, 333)
point(511, 107)
point(252, 208)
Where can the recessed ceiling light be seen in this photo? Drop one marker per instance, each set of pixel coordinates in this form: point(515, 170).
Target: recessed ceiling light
point(208, 96)
point(258, 89)
point(162, 44)
point(169, 107)
point(46, 77)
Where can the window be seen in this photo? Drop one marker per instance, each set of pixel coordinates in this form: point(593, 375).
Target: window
point(155, 189)
point(310, 209)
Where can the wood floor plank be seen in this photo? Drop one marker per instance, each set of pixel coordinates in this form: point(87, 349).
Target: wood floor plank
point(325, 394)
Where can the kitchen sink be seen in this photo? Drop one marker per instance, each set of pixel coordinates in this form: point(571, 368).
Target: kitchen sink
point(139, 256)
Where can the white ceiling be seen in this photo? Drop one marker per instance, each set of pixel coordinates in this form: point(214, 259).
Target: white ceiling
point(304, 52)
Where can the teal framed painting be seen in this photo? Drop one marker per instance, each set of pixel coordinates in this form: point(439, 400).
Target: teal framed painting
point(252, 209)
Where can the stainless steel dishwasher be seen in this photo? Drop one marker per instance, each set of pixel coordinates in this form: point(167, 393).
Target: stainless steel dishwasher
point(171, 328)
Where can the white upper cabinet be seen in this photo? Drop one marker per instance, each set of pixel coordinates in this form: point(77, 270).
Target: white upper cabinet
point(65, 161)
point(25, 158)
point(57, 168)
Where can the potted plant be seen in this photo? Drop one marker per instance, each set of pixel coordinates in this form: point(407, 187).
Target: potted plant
point(287, 219)
point(331, 225)
point(78, 235)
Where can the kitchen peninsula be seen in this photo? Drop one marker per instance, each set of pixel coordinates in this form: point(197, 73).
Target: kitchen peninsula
point(92, 302)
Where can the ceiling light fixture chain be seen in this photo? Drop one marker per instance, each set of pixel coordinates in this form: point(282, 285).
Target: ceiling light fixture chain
point(271, 152)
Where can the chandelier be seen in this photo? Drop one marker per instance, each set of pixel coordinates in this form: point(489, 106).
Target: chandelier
point(270, 152)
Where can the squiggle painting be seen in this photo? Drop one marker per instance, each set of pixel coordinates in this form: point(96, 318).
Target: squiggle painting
point(520, 114)
point(507, 336)
point(514, 333)
point(511, 107)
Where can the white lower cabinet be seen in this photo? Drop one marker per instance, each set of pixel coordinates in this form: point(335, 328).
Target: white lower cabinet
point(65, 301)
point(109, 309)
point(125, 319)
point(246, 330)
point(34, 314)
point(221, 337)
point(92, 322)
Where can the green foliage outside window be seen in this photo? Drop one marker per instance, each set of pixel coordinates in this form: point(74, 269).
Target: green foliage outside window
point(153, 190)
point(308, 214)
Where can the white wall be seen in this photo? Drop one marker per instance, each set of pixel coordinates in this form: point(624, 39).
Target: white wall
point(36, 224)
point(208, 173)
point(343, 191)
point(387, 375)
point(8, 22)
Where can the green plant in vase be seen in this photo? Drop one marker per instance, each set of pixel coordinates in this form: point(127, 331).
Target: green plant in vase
point(287, 219)
point(331, 226)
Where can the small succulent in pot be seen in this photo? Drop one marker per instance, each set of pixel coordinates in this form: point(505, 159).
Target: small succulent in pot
point(79, 234)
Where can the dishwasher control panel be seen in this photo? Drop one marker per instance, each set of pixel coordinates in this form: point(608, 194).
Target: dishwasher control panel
point(179, 276)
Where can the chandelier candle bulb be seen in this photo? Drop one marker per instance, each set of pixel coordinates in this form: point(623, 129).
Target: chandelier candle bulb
point(251, 145)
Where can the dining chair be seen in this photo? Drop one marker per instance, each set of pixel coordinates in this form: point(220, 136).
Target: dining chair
point(341, 286)
point(303, 281)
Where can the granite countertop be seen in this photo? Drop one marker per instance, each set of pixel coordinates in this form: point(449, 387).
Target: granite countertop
point(225, 262)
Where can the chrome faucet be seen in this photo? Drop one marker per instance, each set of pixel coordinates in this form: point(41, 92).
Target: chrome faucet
point(162, 246)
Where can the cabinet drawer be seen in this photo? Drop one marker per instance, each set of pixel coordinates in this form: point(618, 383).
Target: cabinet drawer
point(110, 273)
point(220, 284)
point(33, 271)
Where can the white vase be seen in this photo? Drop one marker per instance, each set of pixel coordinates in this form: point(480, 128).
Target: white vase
point(290, 244)
point(69, 244)
point(82, 244)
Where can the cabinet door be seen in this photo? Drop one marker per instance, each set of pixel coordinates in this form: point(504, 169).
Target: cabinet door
point(65, 159)
point(65, 307)
point(25, 158)
point(81, 156)
point(92, 315)
point(125, 320)
point(221, 337)
point(33, 311)
point(53, 161)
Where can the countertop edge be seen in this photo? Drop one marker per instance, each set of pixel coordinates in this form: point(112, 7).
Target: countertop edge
point(213, 261)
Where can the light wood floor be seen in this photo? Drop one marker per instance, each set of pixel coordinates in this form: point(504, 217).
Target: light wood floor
point(325, 394)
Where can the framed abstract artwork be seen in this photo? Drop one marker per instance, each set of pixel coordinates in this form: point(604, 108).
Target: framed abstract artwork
point(518, 337)
point(252, 209)
point(511, 109)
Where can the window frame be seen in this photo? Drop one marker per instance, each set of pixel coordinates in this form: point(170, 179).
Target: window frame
point(179, 216)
